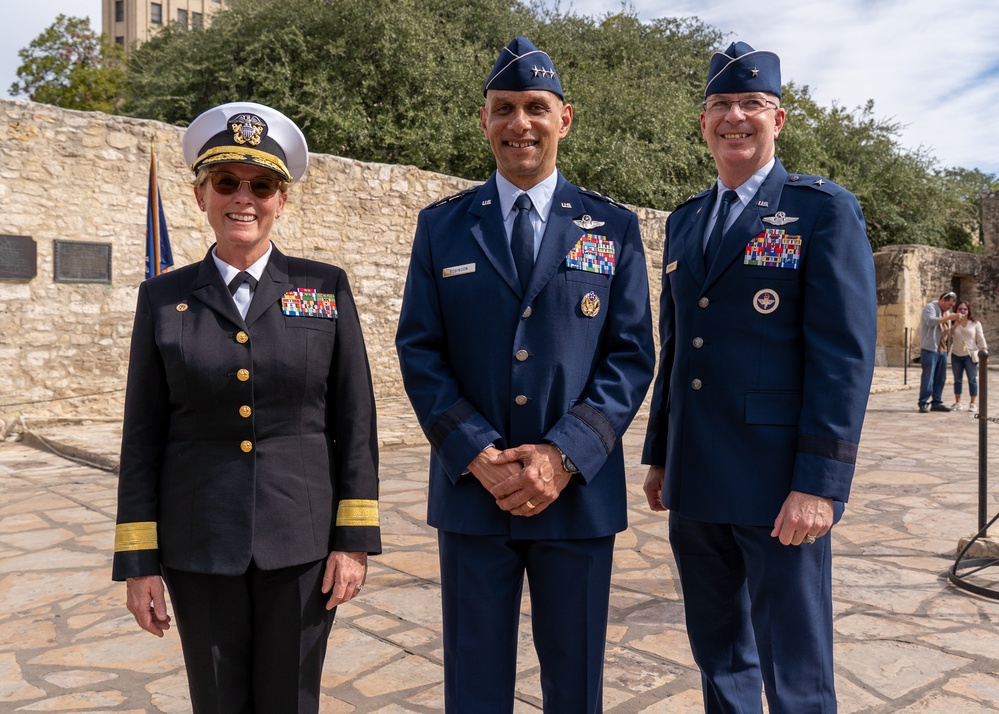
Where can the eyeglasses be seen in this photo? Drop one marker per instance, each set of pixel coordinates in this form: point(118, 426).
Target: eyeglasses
point(948, 296)
point(749, 106)
point(227, 184)
point(962, 309)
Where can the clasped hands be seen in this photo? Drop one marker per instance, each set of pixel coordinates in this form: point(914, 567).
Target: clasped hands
point(524, 480)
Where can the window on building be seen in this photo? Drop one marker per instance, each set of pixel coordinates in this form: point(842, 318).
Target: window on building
point(197, 23)
point(182, 18)
point(156, 13)
point(119, 10)
point(119, 40)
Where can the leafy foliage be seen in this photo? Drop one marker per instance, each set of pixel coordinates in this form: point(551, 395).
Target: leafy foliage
point(72, 67)
point(401, 82)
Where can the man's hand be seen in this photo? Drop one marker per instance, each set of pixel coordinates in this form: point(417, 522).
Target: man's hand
point(534, 487)
point(145, 599)
point(489, 473)
point(345, 574)
point(803, 515)
point(653, 487)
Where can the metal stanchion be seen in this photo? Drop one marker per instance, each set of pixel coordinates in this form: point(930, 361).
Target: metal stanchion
point(986, 552)
point(905, 358)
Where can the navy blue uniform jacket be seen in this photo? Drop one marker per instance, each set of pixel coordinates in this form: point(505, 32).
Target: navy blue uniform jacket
point(245, 439)
point(755, 399)
point(485, 364)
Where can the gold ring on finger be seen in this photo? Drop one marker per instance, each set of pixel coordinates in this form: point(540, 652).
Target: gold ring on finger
point(529, 505)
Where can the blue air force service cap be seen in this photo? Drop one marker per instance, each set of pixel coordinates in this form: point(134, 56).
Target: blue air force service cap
point(740, 68)
point(522, 67)
point(246, 133)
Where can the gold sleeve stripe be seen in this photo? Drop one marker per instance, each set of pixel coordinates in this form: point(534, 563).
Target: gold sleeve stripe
point(135, 536)
point(357, 512)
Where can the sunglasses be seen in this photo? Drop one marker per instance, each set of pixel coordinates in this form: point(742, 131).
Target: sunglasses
point(227, 184)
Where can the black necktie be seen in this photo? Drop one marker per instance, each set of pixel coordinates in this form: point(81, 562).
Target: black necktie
point(715, 239)
point(242, 277)
point(522, 240)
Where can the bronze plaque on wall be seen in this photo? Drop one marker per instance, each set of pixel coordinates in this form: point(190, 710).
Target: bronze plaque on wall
point(81, 262)
point(18, 258)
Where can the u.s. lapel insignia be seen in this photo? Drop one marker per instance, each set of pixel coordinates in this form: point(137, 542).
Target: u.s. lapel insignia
point(487, 202)
point(587, 223)
point(566, 205)
point(766, 301)
point(590, 304)
point(779, 219)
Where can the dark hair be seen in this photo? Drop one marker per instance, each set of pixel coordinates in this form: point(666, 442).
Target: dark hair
point(971, 317)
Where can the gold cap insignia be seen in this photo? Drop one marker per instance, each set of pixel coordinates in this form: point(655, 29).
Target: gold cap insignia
point(247, 129)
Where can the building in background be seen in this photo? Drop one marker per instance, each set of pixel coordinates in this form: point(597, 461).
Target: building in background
point(129, 21)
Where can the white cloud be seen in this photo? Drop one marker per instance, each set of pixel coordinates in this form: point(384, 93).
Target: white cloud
point(930, 66)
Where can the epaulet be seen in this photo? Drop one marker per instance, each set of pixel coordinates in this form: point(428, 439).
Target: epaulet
point(452, 197)
point(694, 197)
point(816, 182)
point(601, 197)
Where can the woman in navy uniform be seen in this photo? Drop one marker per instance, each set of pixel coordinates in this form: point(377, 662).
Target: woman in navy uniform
point(248, 478)
point(768, 328)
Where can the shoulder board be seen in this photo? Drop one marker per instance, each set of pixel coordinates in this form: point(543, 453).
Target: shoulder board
point(695, 197)
point(453, 197)
point(601, 197)
point(816, 182)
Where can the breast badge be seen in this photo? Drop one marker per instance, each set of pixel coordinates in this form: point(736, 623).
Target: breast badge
point(590, 304)
point(766, 301)
point(586, 223)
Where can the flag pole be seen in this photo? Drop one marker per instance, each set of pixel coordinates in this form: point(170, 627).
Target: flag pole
point(155, 196)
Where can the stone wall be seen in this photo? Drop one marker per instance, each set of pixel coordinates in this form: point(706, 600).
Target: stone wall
point(83, 176)
point(911, 276)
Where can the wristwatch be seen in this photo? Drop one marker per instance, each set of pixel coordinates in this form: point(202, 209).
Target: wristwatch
point(567, 464)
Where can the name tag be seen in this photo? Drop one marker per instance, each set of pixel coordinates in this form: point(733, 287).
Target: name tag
point(458, 270)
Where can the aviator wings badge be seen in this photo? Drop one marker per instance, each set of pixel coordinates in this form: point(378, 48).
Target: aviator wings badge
point(586, 223)
point(779, 219)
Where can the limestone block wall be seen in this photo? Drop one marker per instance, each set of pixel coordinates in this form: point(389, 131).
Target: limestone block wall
point(83, 176)
point(911, 276)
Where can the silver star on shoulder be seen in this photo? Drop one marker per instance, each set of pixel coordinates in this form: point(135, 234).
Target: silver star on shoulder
point(819, 182)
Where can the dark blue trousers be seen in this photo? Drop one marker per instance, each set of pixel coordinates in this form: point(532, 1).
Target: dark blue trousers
point(481, 585)
point(759, 616)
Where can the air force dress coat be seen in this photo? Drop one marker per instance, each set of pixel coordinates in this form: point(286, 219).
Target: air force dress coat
point(245, 439)
point(567, 362)
point(767, 356)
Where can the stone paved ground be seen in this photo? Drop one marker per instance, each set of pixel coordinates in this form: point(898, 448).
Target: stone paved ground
point(906, 640)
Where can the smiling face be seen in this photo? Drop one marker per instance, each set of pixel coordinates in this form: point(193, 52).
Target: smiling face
point(741, 144)
point(241, 221)
point(523, 129)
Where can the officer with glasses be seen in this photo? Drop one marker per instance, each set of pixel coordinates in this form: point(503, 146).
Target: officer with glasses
point(767, 329)
point(248, 476)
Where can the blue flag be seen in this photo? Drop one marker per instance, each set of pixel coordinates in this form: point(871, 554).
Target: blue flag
point(159, 256)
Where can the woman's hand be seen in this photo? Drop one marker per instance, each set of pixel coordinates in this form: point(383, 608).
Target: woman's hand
point(344, 576)
point(145, 599)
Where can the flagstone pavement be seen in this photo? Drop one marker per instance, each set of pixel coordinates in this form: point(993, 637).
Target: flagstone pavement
point(906, 640)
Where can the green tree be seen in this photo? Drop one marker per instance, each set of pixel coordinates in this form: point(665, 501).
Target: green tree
point(401, 82)
point(73, 67)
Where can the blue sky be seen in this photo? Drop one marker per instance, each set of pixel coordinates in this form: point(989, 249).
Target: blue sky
point(931, 66)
